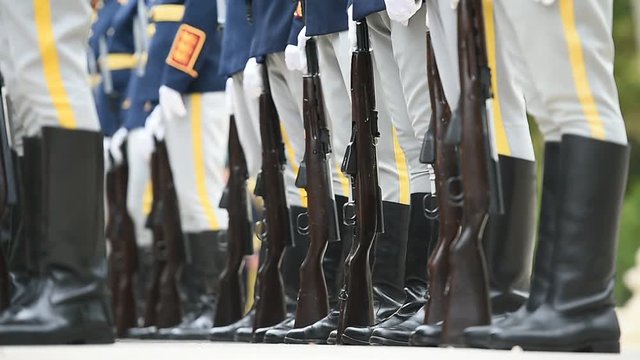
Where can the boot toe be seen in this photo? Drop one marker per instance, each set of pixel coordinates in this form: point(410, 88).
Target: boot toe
point(478, 336)
point(357, 335)
point(390, 336)
point(333, 337)
point(426, 335)
point(244, 334)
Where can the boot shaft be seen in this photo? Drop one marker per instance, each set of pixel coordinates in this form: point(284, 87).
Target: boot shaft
point(509, 237)
point(593, 176)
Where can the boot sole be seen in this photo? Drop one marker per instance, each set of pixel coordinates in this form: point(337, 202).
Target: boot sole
point(376, 340)
point(288, 340)
point(95, 336)
point(347, 340)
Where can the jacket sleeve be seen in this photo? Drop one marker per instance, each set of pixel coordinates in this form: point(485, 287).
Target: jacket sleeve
point(296, 25)
point(186, 57)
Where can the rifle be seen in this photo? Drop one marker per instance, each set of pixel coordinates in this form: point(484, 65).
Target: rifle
point(169, 308)
point(275, 228)
point(445, 162)
point(124, 251)
point(8, 190)
point(313, 302)
point(360, 164)
point(235, 199)
point(154, 222)
point(467, 295)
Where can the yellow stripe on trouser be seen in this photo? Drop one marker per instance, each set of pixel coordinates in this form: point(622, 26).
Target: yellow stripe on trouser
point(403, 172)
point(199, 161)
point(51, 64)
point(579, 69)
point(147, 198)
point(502, 142)
point(344, 182)
point(291, 159)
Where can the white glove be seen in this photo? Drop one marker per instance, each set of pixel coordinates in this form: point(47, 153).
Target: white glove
point(141, 143)
point(294, 59)
point(155, 124)
point(302, 47)
point(106, 143)
point(229, 92)
point(171, 103)
point(353, 35)
point(252, 81)
point(454, 4)
point(545, 2)
point(402, 10)
point(115, 147)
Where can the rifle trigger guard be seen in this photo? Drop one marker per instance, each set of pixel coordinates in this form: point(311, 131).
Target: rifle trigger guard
point(454, 199)
point(303, 230)
point(349, 213)
point(430, 213)
point(261, 230)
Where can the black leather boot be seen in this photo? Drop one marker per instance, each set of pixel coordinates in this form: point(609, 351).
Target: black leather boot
point(204, 258)
point(72, 303)
point(293, 258)
point(509, 241)
point(388, 270)
point(478, 336)
point(333, 265)
point(423, 235)
point(578, 312)
point(227, 333)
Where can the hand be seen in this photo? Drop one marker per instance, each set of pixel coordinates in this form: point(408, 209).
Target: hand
point(353, 35)
point(155, 124)
point(294, 59)
point(229, 92)
point(115, 147)
point(171, 103)
point(402, 10)
point(454, 4)
point(252, 82)
point(141, 143)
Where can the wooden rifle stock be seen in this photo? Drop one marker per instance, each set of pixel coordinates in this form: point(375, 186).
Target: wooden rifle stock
point(446, 167)
point(230, 299)
point(468, 297)
point(313, 302)
point(159, 262)
point(275, 228)
point(124, 252)
point(169, 309)
point(356, 300)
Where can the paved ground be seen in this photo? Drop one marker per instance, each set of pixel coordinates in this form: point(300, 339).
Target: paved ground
point(224, 351)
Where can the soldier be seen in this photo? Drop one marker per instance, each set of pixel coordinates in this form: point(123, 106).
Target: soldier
point(193, 106)
point(236, 47)
point(57, 132)
point(334, 47)
point(275, 27)
point(574, 101)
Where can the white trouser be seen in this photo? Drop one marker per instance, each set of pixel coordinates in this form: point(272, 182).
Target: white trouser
point(44, 57)
point(400, 53)
point(286, 89)
point(197, 147)
point(248, 124)
point(139, 185)
point(335, 73)
point(559, 56)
